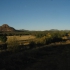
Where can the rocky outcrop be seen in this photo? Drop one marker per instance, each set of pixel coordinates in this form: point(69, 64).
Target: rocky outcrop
point(6, 27)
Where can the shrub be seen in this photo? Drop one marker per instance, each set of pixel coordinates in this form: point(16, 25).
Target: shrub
point(13, 44)
point(32, 44)
point(3, 38)
point(56, 37)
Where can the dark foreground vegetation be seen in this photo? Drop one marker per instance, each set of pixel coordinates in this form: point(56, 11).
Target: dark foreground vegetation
point(39, 54)
point(56, 57)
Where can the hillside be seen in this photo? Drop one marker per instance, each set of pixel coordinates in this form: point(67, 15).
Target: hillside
point(45, 58)
point(6, 27)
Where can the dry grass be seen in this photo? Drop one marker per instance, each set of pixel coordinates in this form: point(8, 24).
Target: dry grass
point(24, 37)
point(21, 39)
point(65, 37)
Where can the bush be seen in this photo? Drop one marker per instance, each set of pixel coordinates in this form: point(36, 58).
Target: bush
point(56, 37)
point(48, 40)
point(3, 38)
point(13, 44)
point(32, 44)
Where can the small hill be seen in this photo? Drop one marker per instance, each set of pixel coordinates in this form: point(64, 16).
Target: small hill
point(6, 27)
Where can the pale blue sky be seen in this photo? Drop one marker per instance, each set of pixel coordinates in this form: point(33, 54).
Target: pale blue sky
point(35, 14)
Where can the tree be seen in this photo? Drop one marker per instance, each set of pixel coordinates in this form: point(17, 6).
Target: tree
point(3, 38)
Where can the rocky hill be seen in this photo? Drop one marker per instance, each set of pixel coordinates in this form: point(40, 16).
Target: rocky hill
point(6, 27)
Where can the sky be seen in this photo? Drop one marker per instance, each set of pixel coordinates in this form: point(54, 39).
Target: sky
point(35, 14)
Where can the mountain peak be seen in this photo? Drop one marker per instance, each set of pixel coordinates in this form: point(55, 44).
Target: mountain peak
point(6, 27)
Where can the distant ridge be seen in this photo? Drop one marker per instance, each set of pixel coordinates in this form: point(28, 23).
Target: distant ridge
point(6, 27)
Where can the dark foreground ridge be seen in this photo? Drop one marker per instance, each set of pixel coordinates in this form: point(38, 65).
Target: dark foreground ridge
point(46, 58)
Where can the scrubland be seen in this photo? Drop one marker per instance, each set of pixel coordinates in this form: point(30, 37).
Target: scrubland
point(42, 52)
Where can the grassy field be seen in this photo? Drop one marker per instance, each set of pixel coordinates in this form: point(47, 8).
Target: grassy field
point(21, 39)
point(24, 37)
